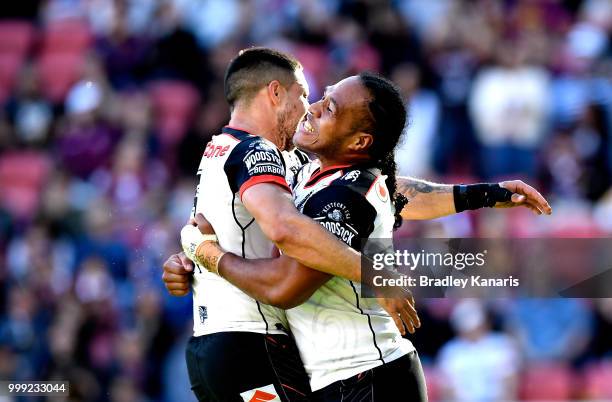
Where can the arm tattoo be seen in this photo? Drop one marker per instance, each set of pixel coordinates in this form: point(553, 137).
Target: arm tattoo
point(412, 187)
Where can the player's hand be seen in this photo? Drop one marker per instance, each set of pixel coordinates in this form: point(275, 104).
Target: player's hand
point(403, 312)
point(526, 196)
point(177, 274)
point(203, 225)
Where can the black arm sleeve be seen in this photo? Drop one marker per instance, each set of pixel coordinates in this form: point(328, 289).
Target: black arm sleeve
point(252, 162)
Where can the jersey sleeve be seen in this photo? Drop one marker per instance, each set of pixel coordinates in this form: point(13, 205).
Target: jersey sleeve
point(252, 162)
point(344, 212)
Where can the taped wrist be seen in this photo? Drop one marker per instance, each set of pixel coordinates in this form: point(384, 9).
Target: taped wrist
point(191, 238)
point(475, 196)
point(208, 255)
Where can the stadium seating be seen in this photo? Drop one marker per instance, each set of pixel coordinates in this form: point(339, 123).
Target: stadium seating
point(10, 64)
point(66, 36)
point(22, 177)
point(546, 381)
point(16, 37)
point(598, 381)
point(58, 71)
point(174, 104)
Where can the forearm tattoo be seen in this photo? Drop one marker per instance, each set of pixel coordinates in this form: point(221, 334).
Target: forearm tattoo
point(412, 187)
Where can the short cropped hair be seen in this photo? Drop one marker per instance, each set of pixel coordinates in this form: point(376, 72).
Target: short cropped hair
point(253, 69)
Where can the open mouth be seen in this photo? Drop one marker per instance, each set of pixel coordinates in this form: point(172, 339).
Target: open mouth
point(308, 131)
point(307, 125)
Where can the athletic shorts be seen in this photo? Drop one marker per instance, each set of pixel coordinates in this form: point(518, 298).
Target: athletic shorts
point(401, 380)
point(246, 366)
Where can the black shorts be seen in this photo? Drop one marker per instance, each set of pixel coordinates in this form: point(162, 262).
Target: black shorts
point(226, 364)
point(398, 381)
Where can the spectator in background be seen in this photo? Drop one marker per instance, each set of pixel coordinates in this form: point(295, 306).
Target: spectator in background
point(30, 113)
point(452, 60)
point(414, 153)
point(111, 204)
point(478, 365)
point(122, 50)
point(85, 141)
point(550, 329)
point(509, 105)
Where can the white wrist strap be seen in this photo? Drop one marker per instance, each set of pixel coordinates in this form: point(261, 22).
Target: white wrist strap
point(191, 238)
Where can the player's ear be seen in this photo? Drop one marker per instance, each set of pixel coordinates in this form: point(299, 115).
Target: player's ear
point(276, 92)
point(362, 141)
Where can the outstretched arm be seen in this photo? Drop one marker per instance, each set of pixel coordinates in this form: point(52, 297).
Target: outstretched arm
point(429, 200)
point(426, 200)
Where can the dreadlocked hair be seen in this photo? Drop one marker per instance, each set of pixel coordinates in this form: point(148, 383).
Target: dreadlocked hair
point(387, 122)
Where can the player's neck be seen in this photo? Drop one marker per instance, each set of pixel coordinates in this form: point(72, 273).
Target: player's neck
point(253, 123)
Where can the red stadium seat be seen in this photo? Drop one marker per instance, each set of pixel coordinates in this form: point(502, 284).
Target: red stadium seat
point(551, 382)
point(73, 36)
point(16, 37)
point(58, 71)
point(9, 68)
point(22, 177)
point(598, 381)
point(175, 104)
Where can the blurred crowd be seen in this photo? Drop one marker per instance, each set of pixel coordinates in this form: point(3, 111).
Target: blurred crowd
point(106, 107)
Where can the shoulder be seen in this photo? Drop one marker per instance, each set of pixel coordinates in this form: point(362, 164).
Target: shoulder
point(254, 150)
point(369, 183)
point(253, 143)
point(357, 179)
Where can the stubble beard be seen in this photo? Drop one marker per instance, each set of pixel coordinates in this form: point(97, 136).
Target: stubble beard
point(285, 131)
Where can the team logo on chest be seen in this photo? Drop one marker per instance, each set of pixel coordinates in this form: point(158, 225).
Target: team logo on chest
point(335, 217)
point(337, 212)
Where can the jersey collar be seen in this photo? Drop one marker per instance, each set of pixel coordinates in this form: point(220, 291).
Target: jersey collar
point(319, 173)
point(237, 133)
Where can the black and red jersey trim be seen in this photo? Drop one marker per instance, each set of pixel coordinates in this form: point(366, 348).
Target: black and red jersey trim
point(320, 174)
point(268, 178)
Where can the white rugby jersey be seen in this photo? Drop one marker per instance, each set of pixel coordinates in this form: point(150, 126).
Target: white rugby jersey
point(340, 334)
point(232, 162)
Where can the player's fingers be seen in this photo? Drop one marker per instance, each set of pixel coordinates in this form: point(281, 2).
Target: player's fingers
point(176, 285)
point(518, 198)
point(203, 225)
point(399, 324)
point(174, 265)
point(186, 262)
point(534, 196)
point(534, 207)
point(407, 321)
point(170, 277)
point(179, 293)
point(411, 312)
